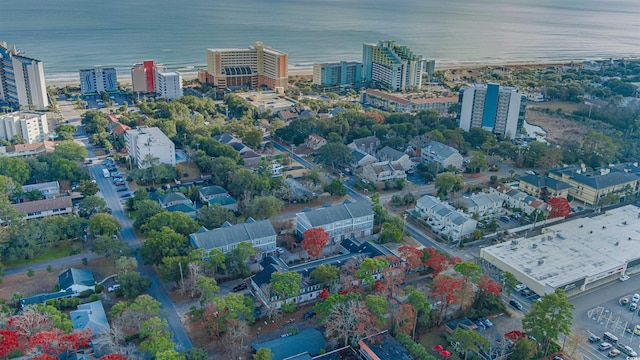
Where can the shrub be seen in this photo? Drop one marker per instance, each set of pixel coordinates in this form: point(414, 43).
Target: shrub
point(416, 350)
point(94, 297)
point(86, 293)
point(289, 308)
point(99, 288)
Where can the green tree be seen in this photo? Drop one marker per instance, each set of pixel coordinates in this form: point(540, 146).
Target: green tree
point(212, 217)
point(87, 188)
point(70, 150)
point(469, 340)
point(509, 282)
point(132, 285)
point(264, 207)
point(285, 285)
point(369, 267)
point(94, 121)
point(170, 354)
point(196, 354)
point(177, 221)
point(236, 259)
point(263, 354)
point(156, 335)
point(33, 195)
point(391, 232)
point(420, 305)
point(333, 154)
point(477, 162)
point(549, 317)
point(16, 169)
point(378, 305)
point(470, 273)
point(108, 246)
point(104, 224)
point(164, 243)
point(325, 274)
point(524, 349)
point(336, 188)
point(447, 182)
point(145, 210)
point(92, 205)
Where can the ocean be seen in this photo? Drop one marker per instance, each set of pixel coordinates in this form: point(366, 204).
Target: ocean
point(71, 34)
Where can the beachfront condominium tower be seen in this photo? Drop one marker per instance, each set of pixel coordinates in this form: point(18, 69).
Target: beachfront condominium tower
point(168, 83)
point(30, 126)
point(337, 74)
point(21, 79)
point(98, 79)
point(392, 67)
point(497, 109)
point(256, 66)
point(143, 77)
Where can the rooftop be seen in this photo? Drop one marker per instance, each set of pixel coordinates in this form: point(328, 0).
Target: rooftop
point(439, 149)
point(339, 212)
point(310, 340)
point(90, 315)
point(384, 346)
point(598, 179)
point(73, 276)
point(567, 252)
point(544, 181)
point(44, 205)
point(233, 234)
point(41, 186)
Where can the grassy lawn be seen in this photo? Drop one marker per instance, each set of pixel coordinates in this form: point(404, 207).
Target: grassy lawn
point(63, 250)
point(433, 338)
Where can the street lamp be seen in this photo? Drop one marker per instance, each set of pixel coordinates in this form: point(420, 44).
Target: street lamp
point(404, 223)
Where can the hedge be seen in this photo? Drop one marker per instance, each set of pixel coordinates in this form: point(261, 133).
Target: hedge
point(416, 350)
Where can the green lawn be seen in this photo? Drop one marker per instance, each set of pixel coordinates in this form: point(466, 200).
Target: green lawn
point(63, 250)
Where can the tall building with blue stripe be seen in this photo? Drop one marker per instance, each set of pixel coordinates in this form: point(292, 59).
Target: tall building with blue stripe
point(497, 109)
point(21, 79)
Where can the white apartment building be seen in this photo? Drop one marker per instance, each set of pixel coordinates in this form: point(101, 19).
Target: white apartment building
point(444, 219)
point(98, 79)
point(32, 127)
point(22, 79)
point(340, 221)
point(391, 66)
point(495, 108)
point(147, 143)
point(168, 83)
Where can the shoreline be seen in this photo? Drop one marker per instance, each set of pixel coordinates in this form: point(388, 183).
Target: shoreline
point(125, 80)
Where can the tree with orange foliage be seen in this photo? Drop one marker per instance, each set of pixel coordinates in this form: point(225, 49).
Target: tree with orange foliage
point(445, 289)
point(8, 342)
point(560, 207)
point(412, 258)
point(113, 357)
point(56, 341)
point(487, 285)
point(350, 320)
point(434, 259)
point(314, 241)
point(404, 316)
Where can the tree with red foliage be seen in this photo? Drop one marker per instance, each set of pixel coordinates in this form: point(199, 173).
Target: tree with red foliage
point(487, 285)
point(9, 341)
point(434, 259)
point(113, 357)
point(559, 207)
point(412, 257)
point(314, 241)
point(324, 294)
point(56, 341)
point(45, 357)
point(445, 290)
point(454, 260)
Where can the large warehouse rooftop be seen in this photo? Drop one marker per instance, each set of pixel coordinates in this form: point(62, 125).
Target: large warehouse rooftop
point(586, 248)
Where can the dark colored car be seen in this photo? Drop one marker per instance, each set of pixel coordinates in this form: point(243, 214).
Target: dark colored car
point(309, 314)
point(515, 303)
point(121, 189)
point(240, 287)
point(126, 195)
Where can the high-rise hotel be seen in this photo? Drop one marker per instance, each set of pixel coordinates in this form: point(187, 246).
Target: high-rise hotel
point(256, 66)
point(495, 108)
point(21, 79)
point(391, 67)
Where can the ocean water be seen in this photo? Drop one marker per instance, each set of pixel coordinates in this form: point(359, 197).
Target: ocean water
point(71, 34)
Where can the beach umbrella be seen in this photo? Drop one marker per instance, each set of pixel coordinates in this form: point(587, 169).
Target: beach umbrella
point(445, 353)
point(438, 347)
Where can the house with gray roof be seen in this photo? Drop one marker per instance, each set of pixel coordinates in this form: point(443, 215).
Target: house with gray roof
point(260, 234)
point(45, 208)
point(590, 186)
point(227, 139)
point(543, 186)
point(383, 346)
point(341, 221)
point(395, 157)
point(442, 154)
point(367, 144)
point(444, 219)
point(310, 340)
point(516, 199)
point(380, 172)
point(176, 201)
point(48, 190)
point(91, 316)
point(483, 204)
point(361, 158)
point(212, 195)
point(76, 279)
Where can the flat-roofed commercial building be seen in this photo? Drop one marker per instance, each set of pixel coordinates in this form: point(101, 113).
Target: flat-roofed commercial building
point(574, 256)
point(256, 66)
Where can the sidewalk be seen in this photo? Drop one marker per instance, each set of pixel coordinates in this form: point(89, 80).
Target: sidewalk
point(68, 260)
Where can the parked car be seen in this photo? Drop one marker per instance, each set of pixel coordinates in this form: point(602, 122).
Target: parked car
point(624, 277)
point(479, 323)
point(526, 292)
point(515, 303)
point(486, 322)
point(520, 287)
point(240, 287)
point(627, 350)
point(280, 250)
point(309, 314)
point(113, 288)
point(613, 353)
point(594, 338)
point(122, 189)
point(125, 195)
point(624, 301)
point(605, 346)
point(557, 358)
point(633, 306)
point(635, 298)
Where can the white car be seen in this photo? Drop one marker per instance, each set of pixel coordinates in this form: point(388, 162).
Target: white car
point(113, 288)
point(280, 250)
point(624, 277)
point(635, 298)
point(520, 287)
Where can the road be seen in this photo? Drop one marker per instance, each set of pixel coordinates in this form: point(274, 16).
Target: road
point(109, 193)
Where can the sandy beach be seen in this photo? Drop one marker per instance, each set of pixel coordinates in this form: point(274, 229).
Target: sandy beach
point(125, 79)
